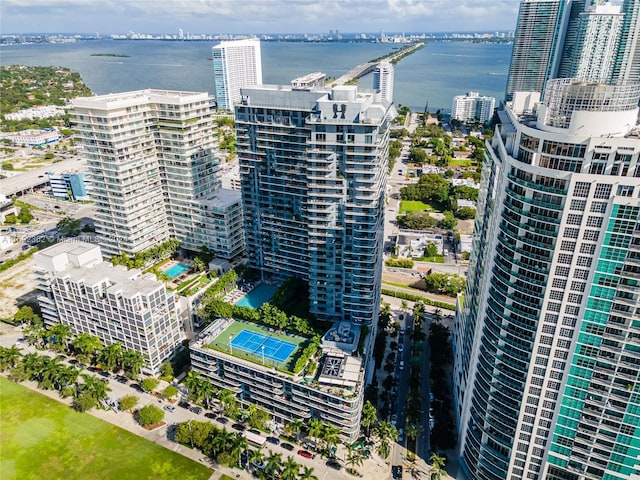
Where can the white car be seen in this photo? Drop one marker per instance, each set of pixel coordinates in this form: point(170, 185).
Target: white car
point(400, 348)
point(400, 435)
point(401, 366)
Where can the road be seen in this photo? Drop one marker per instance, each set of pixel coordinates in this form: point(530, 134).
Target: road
point(38, 177)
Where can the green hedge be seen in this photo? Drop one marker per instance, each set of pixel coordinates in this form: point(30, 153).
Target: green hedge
point(417, 298)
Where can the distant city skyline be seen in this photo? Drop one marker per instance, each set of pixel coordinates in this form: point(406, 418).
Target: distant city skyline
point(255, 16)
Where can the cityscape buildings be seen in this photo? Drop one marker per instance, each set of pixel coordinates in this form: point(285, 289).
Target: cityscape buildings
point(472, 107)
point(151, 156)
point(115, 304)
point(383, 80)
point(236, 64)
point(313, 173)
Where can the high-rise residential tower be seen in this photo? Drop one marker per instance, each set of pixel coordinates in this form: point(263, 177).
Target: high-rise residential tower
point(547, 337)
point(313, 170)
point(383, 80)
point(627, 64)
point(236, 64)
point(535, 45)
point(151, 157)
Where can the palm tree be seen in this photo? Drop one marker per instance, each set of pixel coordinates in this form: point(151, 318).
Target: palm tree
point(110, 357)
point(94, 387)
point(68, 376)
point(35, 334)
point(132, 363)
point(237, 445)
point(297, 427)
point(192, 382)
point(59, 335)
point(257, 456)
point(369, 416)
point(386, 434)
point(87, 346)
point(220, 440)
point(354, 458)
point(413, 431)
point(32, 363)
point(199, 265)
point(290, 469)
point(307, 474)
point(314, 430)
point(207, 390)
point(9, 357)
point(273, 466)
point(50, 369)
point(437, 466)
point(330, 437)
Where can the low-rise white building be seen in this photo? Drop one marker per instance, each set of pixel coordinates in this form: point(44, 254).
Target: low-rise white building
point(35, 138)
point(472, 107)
point(118, 305)
point(42, 111)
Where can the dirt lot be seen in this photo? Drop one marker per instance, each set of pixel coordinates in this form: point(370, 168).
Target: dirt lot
point(17, 285)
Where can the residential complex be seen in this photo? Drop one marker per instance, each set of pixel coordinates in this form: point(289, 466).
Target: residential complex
point(472, 107)
point(309, 81)
point(383, 80)
point(35, 138)
point(534, 45)
point(313, 170)
point(332, 393)
point(118, 305)
point(547, 352)
point(151, 156)
point(236, 64)
point(70, 186)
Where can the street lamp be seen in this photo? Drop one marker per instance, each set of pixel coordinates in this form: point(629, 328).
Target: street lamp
point(230, 344)
point(263, 354)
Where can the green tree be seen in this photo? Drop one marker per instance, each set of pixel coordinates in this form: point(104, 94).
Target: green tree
point(449, 221)
point(273, 465)
point(87, 347)
point(25, 215)
point(149, 415)
point(290, 469)
point(220, 440)
point(199, 265)
point(58, 335)
point(417, 155)
point(148, 384)
point(466, 213)
point(258, 417)
point(431, 250)
point(128, 402)
point(354, 458)
point(307, 474)
point(314, 429)
point(386, 433)
point(69, 226)
point(170, 392)
point(166, 371)
point(111, 357)
point(9, 357)
point(24, 314)
point(192, 383)
point(132, 363)
point(437, 466)
point(369, 416)
point(237, 445)
point(84, 402)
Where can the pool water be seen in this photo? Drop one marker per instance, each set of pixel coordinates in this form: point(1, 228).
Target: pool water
point(177, 270)
point(259, 295)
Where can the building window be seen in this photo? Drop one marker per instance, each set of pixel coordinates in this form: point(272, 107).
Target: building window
point(562, 271)
point(578, 205)
point(578, 286)
point(581, 190)
point(571, 232)
point(584, 261)
point(603, 191)
point(625, 190)
point(573, 219)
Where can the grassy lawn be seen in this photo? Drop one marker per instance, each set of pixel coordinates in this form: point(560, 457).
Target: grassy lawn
point(461, 162)
point(221, 342)
point(407, 206)
point(42, 439)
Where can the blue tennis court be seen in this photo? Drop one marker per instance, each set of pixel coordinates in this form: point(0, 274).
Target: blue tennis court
point(253, 342)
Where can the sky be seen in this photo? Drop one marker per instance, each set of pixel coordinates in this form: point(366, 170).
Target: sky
point(255, 16)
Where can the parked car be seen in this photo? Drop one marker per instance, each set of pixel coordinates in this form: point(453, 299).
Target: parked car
point(305, 454)
point(287, 446)
point(255, 430)
point(210, 415)
point(239, 427)
point(274, 440)
point(169, 408)
point(394, 419)
point(333, 464)
point(400, 348)
point(222, 420)
point(196, 410)
point(400, 435)
point(184, 404)
point(401, 366)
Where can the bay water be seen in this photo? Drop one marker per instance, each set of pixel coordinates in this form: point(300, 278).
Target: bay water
point(433, 75)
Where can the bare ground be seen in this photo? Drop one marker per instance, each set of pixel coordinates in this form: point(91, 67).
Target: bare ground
point(17, 286)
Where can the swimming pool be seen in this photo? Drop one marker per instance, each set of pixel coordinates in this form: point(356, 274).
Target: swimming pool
point(259, 295)
point(177, 270)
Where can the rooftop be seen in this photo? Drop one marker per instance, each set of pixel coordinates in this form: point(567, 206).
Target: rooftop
point(222, 199)
point(138, 97)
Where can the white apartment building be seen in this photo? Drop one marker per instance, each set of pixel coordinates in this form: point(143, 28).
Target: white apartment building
point(236, 64)
point(547, 363)
point(472, 107)
point(383, 80)
point(118, 305)
point(151, 156)
point(44, 111)
point(309, 81)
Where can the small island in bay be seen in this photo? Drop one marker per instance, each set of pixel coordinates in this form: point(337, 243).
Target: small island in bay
point(119, 55)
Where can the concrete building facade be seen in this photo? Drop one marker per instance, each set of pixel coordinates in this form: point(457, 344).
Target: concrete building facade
point(383, 80)
point(118, 305)
point(236, 64)
point(70, 186)
point(151, 156)
point(313, 171)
